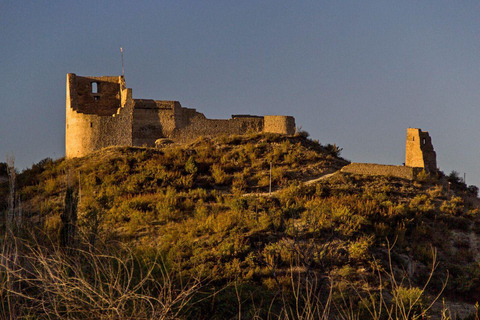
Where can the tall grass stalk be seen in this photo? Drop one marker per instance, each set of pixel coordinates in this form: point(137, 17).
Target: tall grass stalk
point(78, 284)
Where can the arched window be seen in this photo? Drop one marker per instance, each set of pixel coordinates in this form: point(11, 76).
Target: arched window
point(94, 87)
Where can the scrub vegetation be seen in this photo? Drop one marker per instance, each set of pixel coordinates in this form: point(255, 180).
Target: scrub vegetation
point(190, 232)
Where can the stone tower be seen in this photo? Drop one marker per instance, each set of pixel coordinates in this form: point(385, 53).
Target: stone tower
point(419, 151)
point(99, 114)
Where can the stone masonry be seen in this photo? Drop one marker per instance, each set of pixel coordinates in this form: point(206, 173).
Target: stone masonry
point(373, 169)
point(419, 151)
point(419, 156)
point(101, 112)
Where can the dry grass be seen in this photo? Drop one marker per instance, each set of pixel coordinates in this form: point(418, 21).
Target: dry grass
point(51, 282)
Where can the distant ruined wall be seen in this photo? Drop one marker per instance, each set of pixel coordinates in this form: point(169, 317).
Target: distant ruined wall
point(279, 124)
point(419, 150)
point(372, 169)
point(95, 120)
point(419, 156)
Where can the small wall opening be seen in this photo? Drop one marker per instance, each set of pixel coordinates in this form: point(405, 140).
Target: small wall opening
point(94, 87)
point(96, 98)
point(424, 141)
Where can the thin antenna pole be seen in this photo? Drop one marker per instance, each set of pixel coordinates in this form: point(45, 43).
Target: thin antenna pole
point(123, 70)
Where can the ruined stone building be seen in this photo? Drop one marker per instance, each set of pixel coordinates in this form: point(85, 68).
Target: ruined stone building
point(101, 112)
point(419, 156)
point(419, 151)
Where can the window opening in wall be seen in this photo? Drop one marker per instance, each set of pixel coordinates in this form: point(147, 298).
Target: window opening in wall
point(424, 141)
point(94, 87)
point(91, 124)
point(96, 98)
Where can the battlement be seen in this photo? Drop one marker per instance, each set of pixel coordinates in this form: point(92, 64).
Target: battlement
point(95, 95)
point(101, 112)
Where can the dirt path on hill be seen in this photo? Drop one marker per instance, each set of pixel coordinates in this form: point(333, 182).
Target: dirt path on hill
point(325, 176)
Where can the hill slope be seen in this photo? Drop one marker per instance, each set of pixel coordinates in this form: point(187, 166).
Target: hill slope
point(368, 239)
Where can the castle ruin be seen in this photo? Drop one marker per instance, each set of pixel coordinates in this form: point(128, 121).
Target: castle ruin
point(419, 156)
point(419, 151)
point(101, 112)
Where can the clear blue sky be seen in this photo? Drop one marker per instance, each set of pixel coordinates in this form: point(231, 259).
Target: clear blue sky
point(354, 73)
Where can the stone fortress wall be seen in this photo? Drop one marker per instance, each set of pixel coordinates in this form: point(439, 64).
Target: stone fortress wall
point(373, 169)
point(279, 124)
point(419, 156)
point(95, 120)
point(101, 112)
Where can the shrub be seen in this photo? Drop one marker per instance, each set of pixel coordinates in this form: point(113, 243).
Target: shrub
point(421, 203)
point(87, 284)
point(473, 190)
point(219, 176)
point(51, 186)
point(436, 192)
point(424, 176)
point(201, 211)
point(191, 166)
point(239, 183)
point(333, 150)
point(299, 132)
point(347, 223)
point(454, 206)
point(185, 182)
point(409, 298)
point(360, 248)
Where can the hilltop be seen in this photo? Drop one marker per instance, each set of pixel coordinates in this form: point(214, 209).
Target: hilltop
point(339, 244)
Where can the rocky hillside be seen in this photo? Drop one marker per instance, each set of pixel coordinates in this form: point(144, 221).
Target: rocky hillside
point(345, 244)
